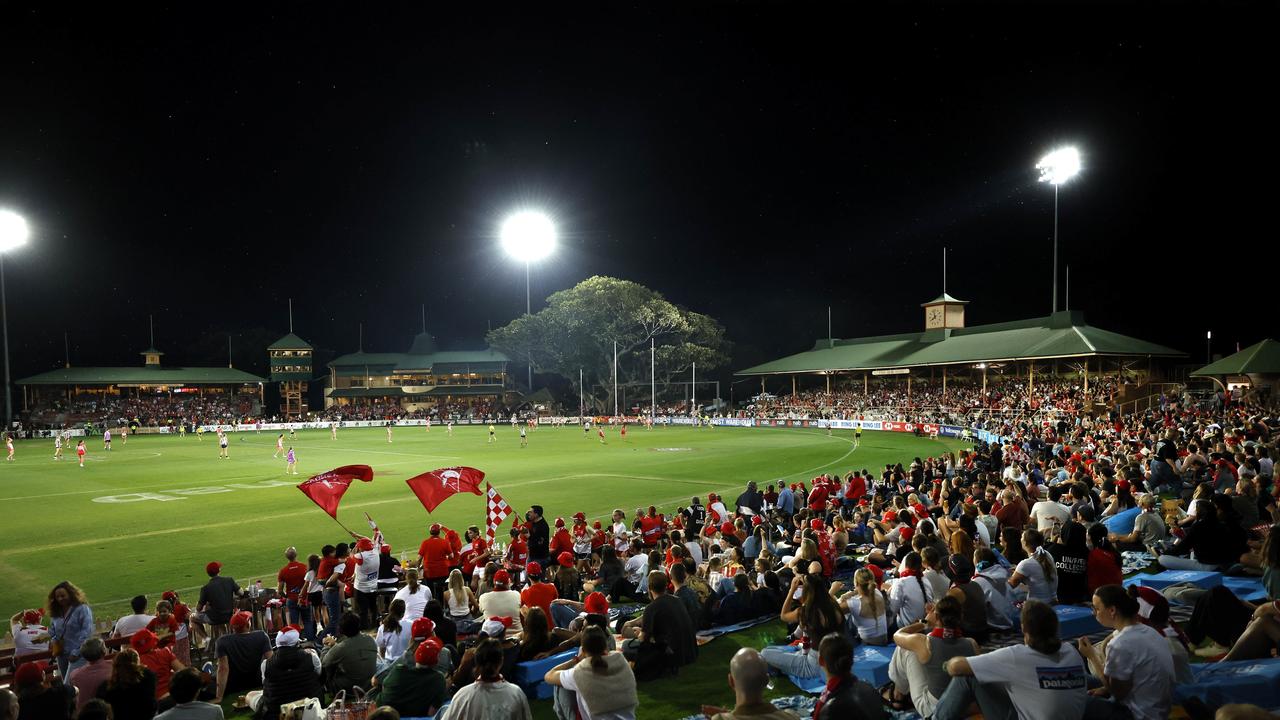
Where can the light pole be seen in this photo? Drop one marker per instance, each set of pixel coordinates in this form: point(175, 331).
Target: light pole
point(528, 236)
point(1056, 168)
point(1208, 351)
point(13, 234)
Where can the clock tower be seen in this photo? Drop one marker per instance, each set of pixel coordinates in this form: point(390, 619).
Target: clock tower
point(944, 312)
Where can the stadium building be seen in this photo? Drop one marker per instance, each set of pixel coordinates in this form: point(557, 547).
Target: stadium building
point(67, 395)
point(421, 378)
point(1053, 347)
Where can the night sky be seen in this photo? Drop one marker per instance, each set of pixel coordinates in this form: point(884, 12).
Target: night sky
point(754, 162)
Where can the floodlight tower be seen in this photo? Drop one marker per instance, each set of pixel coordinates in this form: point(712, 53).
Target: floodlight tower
point(13, 235)
point(528, 236)
point(1057, 168)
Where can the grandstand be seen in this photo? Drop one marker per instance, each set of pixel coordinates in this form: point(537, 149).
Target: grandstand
point(422, 378)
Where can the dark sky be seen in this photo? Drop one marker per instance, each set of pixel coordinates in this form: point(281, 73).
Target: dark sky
point(756, 163)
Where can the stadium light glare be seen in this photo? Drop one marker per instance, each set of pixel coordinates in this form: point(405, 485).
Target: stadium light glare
point(1059, 166)
point(528, 236)
point(13, 230)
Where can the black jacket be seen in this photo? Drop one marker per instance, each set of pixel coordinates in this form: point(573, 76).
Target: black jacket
point(290, 675)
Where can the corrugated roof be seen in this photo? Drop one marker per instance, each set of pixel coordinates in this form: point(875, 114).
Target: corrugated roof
point(1261, 358)
point(1063, 334)
point(415, 361)
point(290, 342)
point(142, 376)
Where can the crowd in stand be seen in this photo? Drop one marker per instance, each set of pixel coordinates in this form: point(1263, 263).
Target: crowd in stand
point(933, 558)
point(157, 411)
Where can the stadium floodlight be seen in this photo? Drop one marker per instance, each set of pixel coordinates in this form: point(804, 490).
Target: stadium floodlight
point(528, 236)
point(13, 234)
point(1056, 168)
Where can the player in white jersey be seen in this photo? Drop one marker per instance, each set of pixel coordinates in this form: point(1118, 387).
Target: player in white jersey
point(124, 434)
point(524, 438)
point(57, 446)
point(279, 446)
point(333, 431)
point(8, 444)
point(449, 427)
point(388, 432)
point(106, 439)
point(428, 423)
point(222, 445)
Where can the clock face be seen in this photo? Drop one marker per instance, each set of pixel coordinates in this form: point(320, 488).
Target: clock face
point(934, 317)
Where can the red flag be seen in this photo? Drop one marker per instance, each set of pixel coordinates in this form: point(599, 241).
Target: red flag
point(433, 488)
point(327, 488)
point(498, 511)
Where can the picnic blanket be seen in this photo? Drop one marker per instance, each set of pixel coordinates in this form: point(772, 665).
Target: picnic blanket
point(716, 631)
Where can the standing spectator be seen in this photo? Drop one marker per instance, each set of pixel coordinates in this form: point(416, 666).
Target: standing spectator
point(184, 688)
point(748, 676)
point(217, 598)
point(368, 560)
point(352, 660)
point(72, 624)
point(1042, 679)
point(131, 689)
point(604, 684)
point(434, 556)
point(37, 698)
point(539, 536)
point(289, 584)
point(845, 697)
point(1138, 671)
point(240, 655)
point(129, 624)
point(750, 498)
point(389, 572)
point(539, 593)
point(490, 696)
point(90, 676)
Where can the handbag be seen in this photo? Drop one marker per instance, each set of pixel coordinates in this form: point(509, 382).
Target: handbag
point(308, 709)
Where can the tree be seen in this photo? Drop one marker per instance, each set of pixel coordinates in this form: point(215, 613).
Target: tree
point(579, 326)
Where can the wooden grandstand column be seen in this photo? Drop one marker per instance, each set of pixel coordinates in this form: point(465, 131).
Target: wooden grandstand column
point(1031, 379)
point(793, 386)
point(944, 379)
point(866, 377)
point(908, 388)
point(828, 383)
point(1086, 377)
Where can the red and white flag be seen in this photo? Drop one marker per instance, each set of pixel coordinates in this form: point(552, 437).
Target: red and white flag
point(327, 488)
point(498, 510)
point(433, 488)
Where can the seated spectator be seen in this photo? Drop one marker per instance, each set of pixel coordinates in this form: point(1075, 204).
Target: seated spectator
point(1149, 530)
point(602, 681)
point(1071, 560)
point(748, 676)
point(445, 629)
point(240, 655)
point(1105, 564)
point(27, 629)
point(687, 595)
point(126, 626)
point(490, 696)
point(538, 593)
point(217, 600)
point(415, 596)
point(8, 705)
point(767, 597)
point(594, 611)
point(184, 688)
point(95, 709)
point(1050, 514)
point(665, 639)
point(353, 659)
point(289, 675)
point(845, 697)
point(502, 601)
point(915, 670)
point(816, 615)
point(131, 689)
point(393, 633)
point(459, 599)
point(868, 608)
point(972, 598)
point(1153, 611)
point(1037, 572)
point(38, 698)
point(993, 579)
point(537, 637)
point(1041, 679)
point(737, 605)
point(1209, 543)
point(495, 628)
point(910, 595)
point(90, 676)
point(1138, 670)
point(156, 659)
point(416, 689)
point(1260, 637)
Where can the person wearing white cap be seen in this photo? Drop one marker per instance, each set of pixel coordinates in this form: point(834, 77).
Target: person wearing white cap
point(290, 674)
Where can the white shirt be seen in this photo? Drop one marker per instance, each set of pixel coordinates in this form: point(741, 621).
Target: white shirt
point(905, 601)
point(1038, 586)
point(636, 568)
point(621, 537)
point(414, 603)
point(938, 582)
point(1041, 687)
point(502, 603)
point(130, 624)
point(1048, 513)
point(24, 639)
point(872, 630)
point(392, 644)
point(366, 576)
point(569, 682)
point(1140, 654)
point(695, 551)
point(489, 700)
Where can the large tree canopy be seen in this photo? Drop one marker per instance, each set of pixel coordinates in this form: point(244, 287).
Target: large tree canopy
point(579, 326)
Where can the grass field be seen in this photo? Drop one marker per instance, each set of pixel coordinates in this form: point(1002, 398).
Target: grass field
point(178, 506)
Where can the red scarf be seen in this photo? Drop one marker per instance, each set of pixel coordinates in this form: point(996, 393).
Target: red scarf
point(908, 573)
point(946, 633)
point(833, 684)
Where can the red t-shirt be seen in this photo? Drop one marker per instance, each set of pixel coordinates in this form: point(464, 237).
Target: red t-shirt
point(469, 557)
point(435, 553)
point(1101, 569)
point(517, 555)
point(160, 662)
point(165, 630)
point(818, 498)
point(326, 568)
point(539, 594)
point(597, 539)
point(561, 542)
point(292, 576)
point(650, 530)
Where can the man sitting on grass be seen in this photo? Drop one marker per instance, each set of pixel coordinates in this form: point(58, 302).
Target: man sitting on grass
point(184, 687)
point(748, 676)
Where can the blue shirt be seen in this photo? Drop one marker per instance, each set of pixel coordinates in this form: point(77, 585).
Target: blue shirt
point(72, 630)
point(787, 501)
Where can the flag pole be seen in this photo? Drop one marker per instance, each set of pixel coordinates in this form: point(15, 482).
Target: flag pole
point(653, 383)
point(615, 378)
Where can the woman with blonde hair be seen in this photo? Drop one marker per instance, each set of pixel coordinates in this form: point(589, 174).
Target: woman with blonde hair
point(868, 608)
point(459, 601)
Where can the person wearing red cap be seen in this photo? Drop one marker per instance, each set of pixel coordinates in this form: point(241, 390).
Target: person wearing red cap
point(565, 576)
point(561, 540)
point(502, 601)
point(39, 698)
point(240, 655)
point(289, 583)
point(416, 689)
point(158, 660)
point(539, 593)
point(435, 555)
point(517, 555)
point(217, 599)
point(26, 629)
